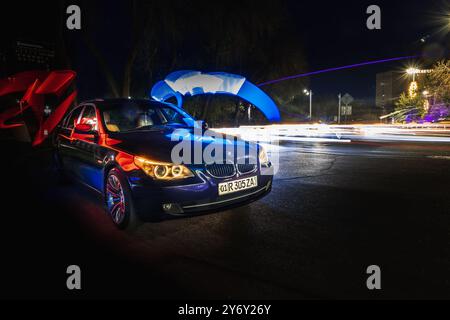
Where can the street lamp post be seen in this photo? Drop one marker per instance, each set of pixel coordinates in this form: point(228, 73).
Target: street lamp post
point(413, 71)
point(339, 109)
point(309, 93)
point(413, 85)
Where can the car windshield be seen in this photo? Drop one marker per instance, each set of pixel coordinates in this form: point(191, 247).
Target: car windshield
point(141, 115)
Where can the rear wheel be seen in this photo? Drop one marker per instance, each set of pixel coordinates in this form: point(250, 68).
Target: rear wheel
point(119, 202)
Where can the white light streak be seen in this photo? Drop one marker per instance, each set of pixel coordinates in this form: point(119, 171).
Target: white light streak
point(322, 133)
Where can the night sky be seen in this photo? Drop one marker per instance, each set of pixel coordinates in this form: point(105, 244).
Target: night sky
point(337, 35)
point(332, 33)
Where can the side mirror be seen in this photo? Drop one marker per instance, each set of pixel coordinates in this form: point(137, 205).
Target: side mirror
point(83, 128)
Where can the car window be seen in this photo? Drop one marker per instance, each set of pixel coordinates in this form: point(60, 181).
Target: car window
point(172, 116)
point(73, 118)
point(89, 117)
point(139, 115)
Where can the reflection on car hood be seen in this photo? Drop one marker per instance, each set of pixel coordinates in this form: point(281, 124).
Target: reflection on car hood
point(158, 144)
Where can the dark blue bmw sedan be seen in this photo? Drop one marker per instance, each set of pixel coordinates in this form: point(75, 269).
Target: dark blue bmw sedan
point(129, 150)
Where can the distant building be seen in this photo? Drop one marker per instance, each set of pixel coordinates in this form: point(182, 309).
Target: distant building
point(389, 86)
point(21, 56)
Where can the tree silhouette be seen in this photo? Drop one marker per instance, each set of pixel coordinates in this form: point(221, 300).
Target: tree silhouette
point(253, 40)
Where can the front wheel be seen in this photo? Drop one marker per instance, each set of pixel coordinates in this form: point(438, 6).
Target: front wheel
point(119, 202)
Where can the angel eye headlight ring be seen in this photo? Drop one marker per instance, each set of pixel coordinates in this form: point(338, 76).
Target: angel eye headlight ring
point(162, 171)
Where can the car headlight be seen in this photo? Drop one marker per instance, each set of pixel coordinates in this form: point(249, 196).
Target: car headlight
point(263, 158)
point(163, 171)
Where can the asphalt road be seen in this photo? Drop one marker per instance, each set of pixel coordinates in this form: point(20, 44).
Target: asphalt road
point(334, 210)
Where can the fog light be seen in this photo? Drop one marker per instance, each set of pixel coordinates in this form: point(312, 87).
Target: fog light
point(172, 208)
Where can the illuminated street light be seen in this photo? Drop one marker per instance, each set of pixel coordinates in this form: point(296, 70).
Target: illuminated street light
point(412, 70)
point(413, 86)
point(309, 93)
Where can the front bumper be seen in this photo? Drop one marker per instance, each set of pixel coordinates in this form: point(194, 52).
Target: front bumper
point(221, 204)
point(159, 201)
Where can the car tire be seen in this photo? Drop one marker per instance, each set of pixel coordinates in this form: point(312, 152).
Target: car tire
point(119, 203)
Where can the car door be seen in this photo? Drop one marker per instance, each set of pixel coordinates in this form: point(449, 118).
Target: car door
point(65, 146)
point(85, 145)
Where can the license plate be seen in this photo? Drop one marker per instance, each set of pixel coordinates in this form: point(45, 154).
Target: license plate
point(237, 185)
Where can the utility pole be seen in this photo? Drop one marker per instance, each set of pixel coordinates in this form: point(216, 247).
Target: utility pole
point(339, 109)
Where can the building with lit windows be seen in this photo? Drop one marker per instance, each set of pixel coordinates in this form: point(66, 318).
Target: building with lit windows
point(389, 86)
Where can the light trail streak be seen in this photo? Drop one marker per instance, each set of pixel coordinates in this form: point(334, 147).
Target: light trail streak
point(361, 64)
point(321, 133)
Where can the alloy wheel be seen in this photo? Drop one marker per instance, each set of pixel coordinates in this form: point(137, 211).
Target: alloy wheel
point(115, 199)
